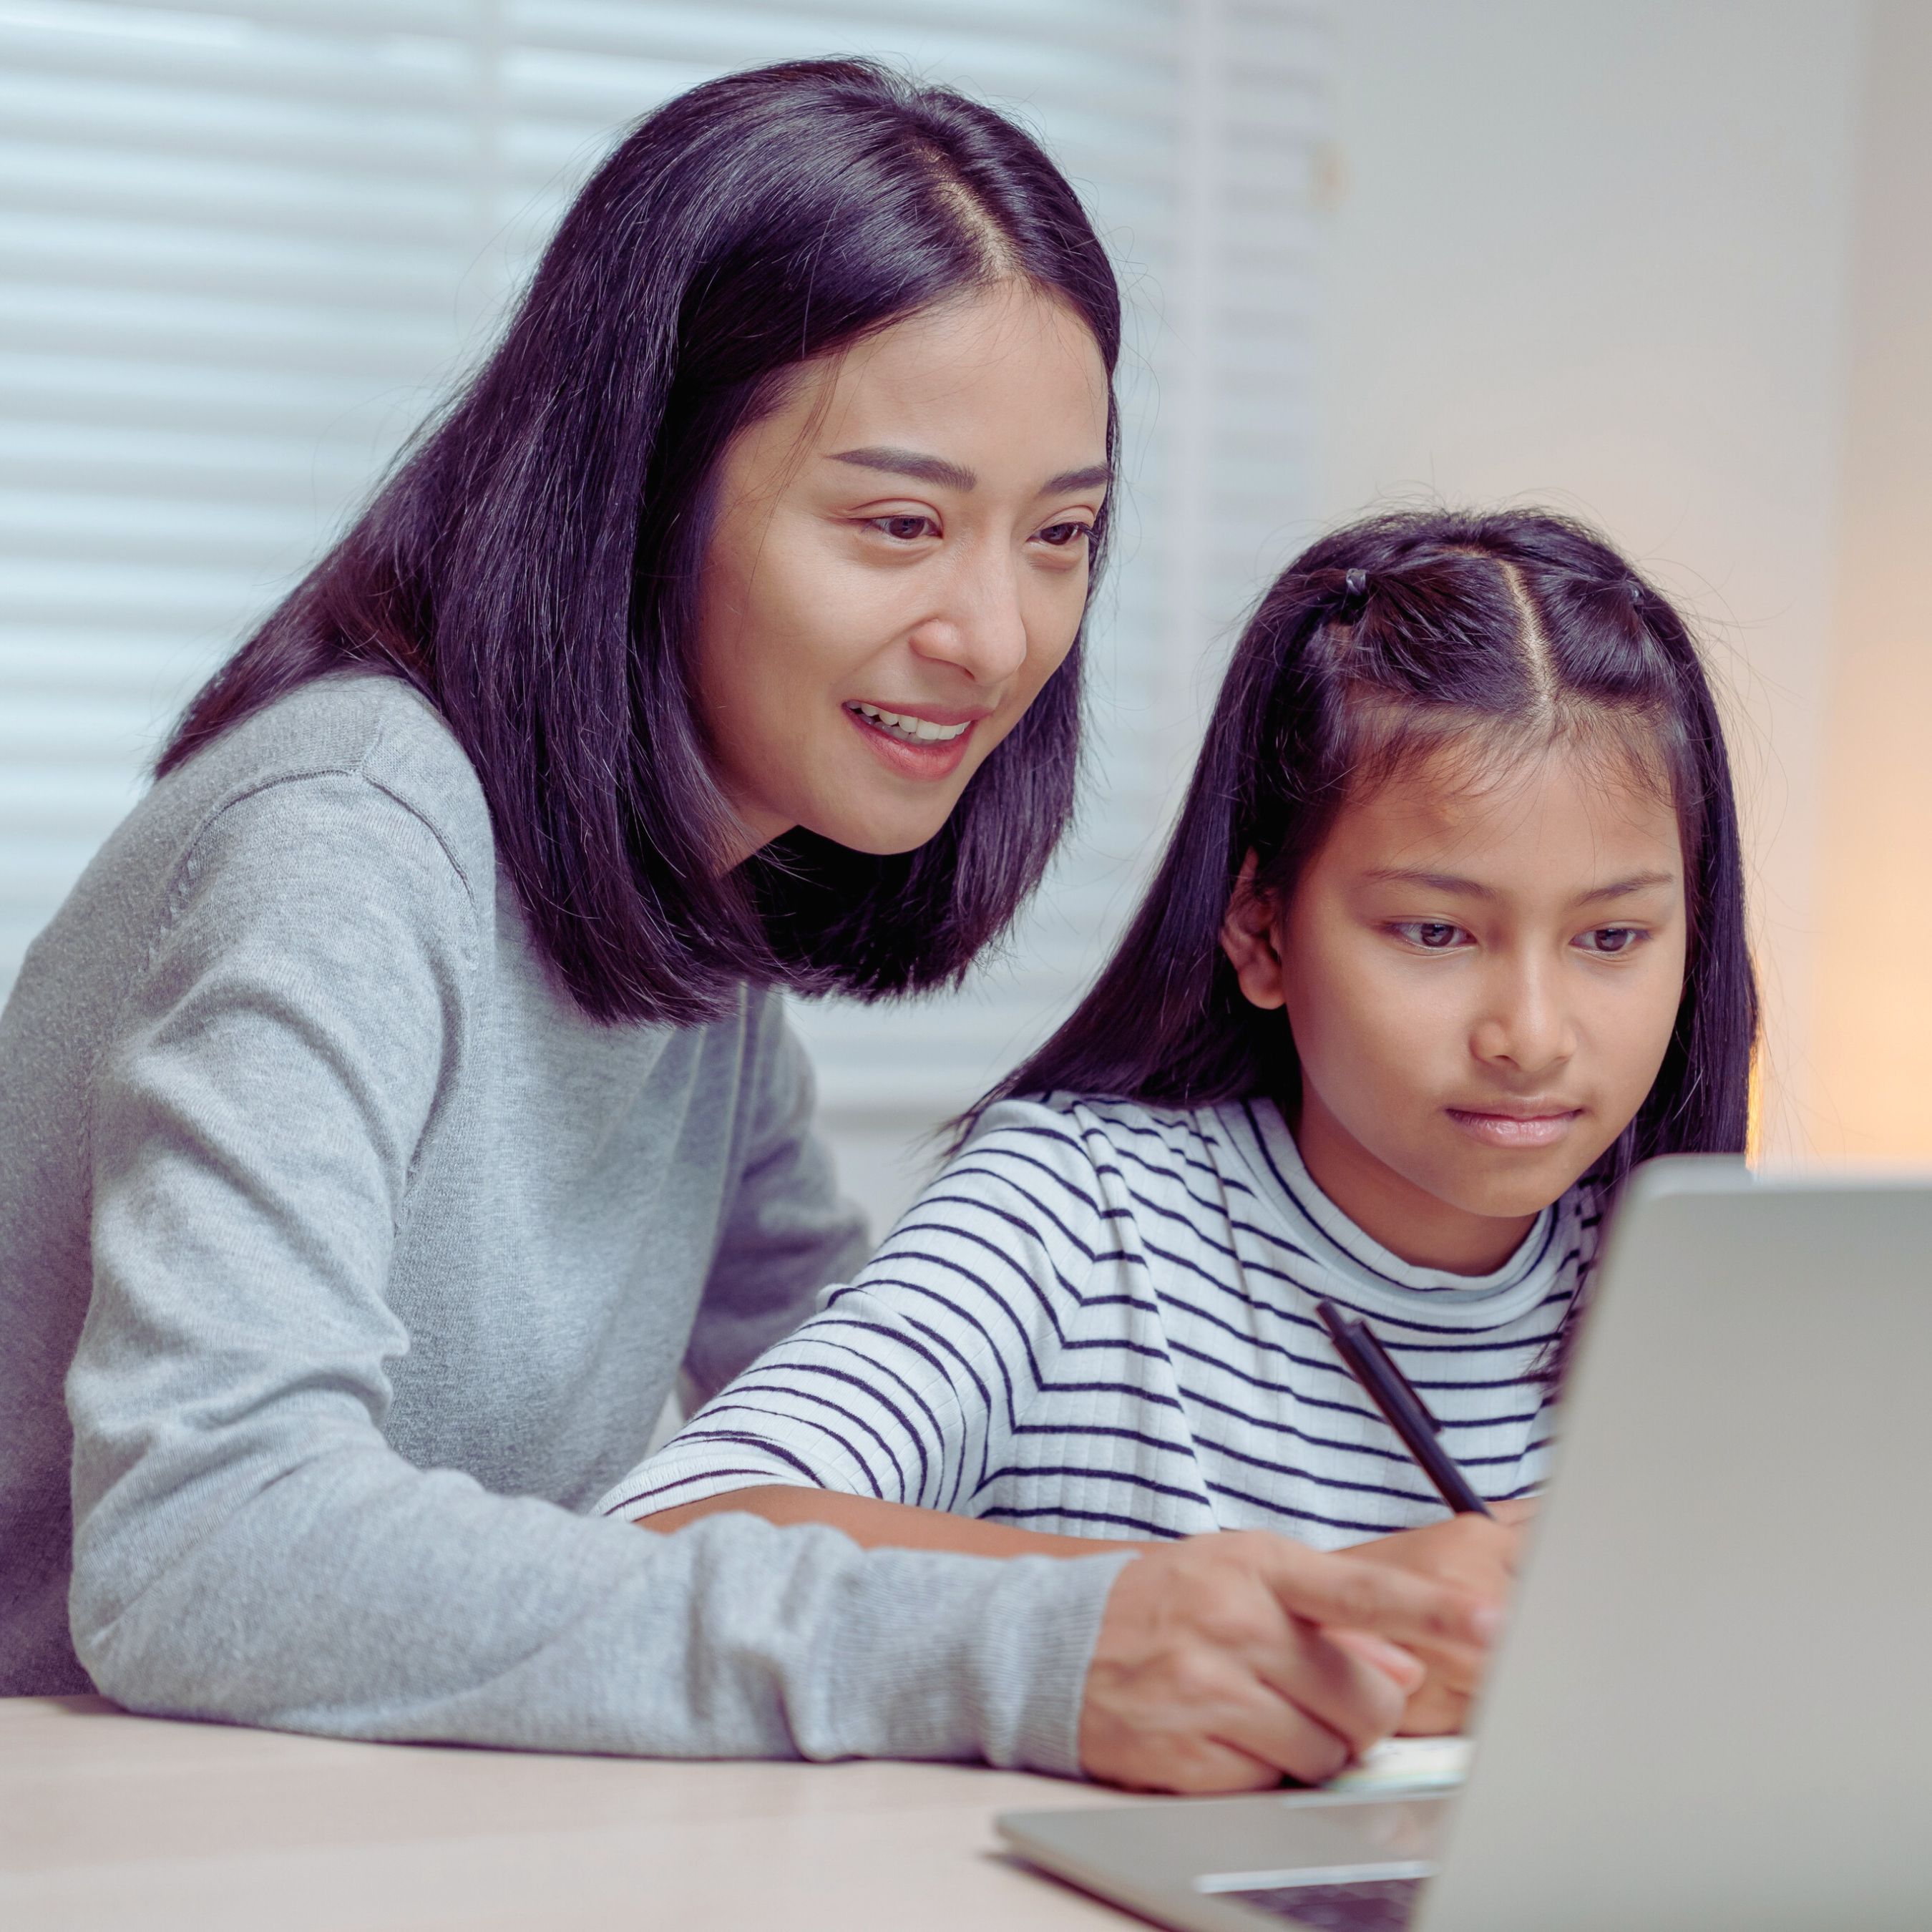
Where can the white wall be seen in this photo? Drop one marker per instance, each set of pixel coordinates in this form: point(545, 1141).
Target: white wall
point(1598, 255)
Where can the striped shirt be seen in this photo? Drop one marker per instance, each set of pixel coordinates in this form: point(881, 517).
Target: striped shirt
point(1099, 1321)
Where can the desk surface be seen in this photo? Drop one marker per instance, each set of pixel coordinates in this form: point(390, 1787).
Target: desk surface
point(136, 1825)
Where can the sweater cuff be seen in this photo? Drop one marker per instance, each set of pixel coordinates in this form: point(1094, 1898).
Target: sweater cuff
point(1035, 1644)
point(929, 1655)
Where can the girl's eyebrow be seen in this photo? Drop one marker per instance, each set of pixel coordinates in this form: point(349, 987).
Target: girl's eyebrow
point(1474, 889)
point(1637, 882)
point(1433, 882)
point(954, 476)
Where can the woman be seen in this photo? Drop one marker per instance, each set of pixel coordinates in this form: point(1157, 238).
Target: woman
point(400, 1096)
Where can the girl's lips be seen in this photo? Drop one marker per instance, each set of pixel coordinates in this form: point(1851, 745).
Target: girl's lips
point(1516, 1130)
point(913, 758)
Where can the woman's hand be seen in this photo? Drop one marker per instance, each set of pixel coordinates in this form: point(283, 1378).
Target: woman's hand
point(1473, 1555)
point(1230, 1659)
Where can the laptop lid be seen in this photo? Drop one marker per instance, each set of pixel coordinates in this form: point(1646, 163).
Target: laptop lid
point(1713, 1708)
point(1714, 1705)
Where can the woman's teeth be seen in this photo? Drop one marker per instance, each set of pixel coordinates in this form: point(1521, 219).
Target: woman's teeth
point(916, 728)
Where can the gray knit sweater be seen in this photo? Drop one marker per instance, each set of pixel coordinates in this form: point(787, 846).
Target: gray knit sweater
point(343, 1263)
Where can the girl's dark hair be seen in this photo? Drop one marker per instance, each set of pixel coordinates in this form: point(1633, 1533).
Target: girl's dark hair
point(532, 566)
point(1386, 639)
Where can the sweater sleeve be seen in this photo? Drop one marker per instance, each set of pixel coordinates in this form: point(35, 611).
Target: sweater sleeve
point(787, 1233)
point(909, 1382)
point(247, 1545)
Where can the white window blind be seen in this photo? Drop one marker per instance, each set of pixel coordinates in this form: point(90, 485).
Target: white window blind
point(244, 244)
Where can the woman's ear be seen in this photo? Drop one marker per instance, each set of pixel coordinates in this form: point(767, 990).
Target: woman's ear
point(1248, 938)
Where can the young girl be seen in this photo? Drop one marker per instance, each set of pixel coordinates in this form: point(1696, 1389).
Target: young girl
point(1450, 934)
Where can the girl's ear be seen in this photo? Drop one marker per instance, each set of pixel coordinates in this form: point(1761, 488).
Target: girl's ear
point(1248, 939)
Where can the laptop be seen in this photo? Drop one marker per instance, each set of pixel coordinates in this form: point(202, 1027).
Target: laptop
point(1713, 1707)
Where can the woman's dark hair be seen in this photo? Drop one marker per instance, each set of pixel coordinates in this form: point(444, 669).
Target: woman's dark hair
point(531, 567)
point(1380, 643)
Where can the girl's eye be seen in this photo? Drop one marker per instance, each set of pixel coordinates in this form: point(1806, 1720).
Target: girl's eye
point(1609, 941)
point(906, 529)
point(1432, 935)
point(1064, 536)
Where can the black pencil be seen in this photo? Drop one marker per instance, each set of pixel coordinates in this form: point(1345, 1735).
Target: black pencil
point(1369, 1362)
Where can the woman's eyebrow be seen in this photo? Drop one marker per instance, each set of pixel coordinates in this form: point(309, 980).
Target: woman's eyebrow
point(954, 476)
point(910, 462)
point(1095, 476)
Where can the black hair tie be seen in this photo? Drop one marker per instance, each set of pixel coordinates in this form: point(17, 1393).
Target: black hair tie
point(1356, 583)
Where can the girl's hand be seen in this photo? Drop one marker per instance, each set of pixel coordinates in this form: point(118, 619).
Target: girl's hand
point(1228, 1660)
point(1471, 1554)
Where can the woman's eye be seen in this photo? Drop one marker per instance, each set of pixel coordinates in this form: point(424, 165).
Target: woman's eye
point(1064, 536)
point(1609, 941)
point(904, 529)
point(1432, 935)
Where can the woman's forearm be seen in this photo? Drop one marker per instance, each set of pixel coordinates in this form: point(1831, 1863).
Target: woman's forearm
point(874, 1525)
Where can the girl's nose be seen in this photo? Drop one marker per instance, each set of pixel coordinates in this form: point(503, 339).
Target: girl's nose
point(1526, 1024)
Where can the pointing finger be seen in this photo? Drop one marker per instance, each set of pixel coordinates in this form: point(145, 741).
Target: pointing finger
point(1325, 1588)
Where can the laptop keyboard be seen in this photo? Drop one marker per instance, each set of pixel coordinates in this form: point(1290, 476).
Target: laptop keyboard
point(1370, 1905)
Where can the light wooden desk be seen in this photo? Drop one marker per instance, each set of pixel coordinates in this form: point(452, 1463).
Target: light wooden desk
point(133, 1825)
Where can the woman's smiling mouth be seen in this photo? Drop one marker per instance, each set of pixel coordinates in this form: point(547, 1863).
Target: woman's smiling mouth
point(912, 744)
point(904, 724)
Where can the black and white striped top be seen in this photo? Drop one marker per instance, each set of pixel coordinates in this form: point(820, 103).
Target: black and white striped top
point(1099, 1321)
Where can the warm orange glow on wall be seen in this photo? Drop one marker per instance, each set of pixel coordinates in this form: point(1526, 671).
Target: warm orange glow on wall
point(1871, 1086)
point(1754, 1105)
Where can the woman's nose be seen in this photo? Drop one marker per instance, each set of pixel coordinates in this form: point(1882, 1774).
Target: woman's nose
point(981, 628)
